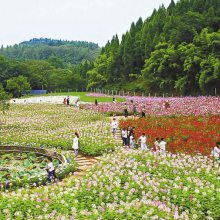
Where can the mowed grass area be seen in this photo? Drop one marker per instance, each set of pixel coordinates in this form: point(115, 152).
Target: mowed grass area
point(84, 98)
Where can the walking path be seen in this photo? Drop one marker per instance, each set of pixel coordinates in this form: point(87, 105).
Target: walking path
point(44, 99)
point(85, 163)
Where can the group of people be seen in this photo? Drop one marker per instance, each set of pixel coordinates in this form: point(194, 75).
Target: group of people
point(66, 101)
point(134, 110)
point(128, 139)
point(142, 114)
point(50, 167)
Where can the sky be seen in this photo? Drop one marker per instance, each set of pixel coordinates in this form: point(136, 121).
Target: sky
point(83, 20)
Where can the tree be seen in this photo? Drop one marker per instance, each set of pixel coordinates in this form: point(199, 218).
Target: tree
point(17, 85)
point(4, 98)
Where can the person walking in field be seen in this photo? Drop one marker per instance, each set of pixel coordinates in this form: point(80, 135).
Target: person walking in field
point(124, 135)
point(216, 151)
point(143, 112)
point(132, 141)
point(76, 143)
point(134, 110)
point(68, 100)
point(125, 110)
point(143, 141)
point(50, 170)
point(156, 146)
point(114, 126)
point(162, 146)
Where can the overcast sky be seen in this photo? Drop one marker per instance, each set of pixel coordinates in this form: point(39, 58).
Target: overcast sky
point(90, 20)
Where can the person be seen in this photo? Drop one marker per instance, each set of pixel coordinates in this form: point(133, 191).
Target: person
point(130, 132)
point(143, 112)
point(132, 141)
point(96, 102)
point(114, 126)
point(162, 146)
point(124, 135)
point(216, 151)
point(50, 170)
point(134, 110)
point(76, 143)
point(156, 144)
point(143, 141)
point(113, 100)
point(77, 103)
point(68, 100)
point(64, 101)
point(166, 105)
point(125, 110)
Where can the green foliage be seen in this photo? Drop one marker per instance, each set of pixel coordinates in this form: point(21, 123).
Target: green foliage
point(4, 98)
point(46, 74)
point(17, 85)
point(175, 50)
point(67, 52)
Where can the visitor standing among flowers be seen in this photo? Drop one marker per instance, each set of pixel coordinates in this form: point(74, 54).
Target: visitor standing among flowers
point(216, 151)
point(132, 141)
point(114, 126)
point(143, 112)
point(68, 100)
point(143, 141)
point(162, 146)
point(76, 143)
point(50, 170)
point(134, 110)
point(124, 135)
point(156, 144)
point(125, 110)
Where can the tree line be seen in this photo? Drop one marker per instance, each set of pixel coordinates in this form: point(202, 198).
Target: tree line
point(70, 52)
point(50, 74)
point(175, 50)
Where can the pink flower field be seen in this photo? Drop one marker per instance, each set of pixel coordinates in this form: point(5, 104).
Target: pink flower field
point(162, 106)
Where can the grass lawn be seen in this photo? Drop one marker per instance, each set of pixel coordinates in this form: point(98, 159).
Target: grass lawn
point(85, 98)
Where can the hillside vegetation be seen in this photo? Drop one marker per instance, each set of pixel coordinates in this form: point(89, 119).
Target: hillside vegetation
point(70, 52)
point(175, 50)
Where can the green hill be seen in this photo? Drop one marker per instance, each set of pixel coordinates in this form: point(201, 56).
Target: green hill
point(70, 52)
point(175, 50)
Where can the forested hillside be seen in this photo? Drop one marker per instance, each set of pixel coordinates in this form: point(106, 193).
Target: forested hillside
point(70, 52)
point(175, 50)
point(50, 74)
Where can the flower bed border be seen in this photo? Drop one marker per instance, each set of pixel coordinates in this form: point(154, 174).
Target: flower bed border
point(44, 152)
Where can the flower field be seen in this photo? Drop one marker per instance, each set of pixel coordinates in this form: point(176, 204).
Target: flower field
point(184, 134)
point(126, 185)
point(48, 125)
point(153, 105)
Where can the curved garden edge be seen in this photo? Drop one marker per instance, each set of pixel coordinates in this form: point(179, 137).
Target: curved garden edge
point(67, 166)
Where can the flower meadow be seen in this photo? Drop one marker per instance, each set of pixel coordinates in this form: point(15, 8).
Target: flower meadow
point(49, 126)
point(126, 184)
point(184, 134)
point(202, 105)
